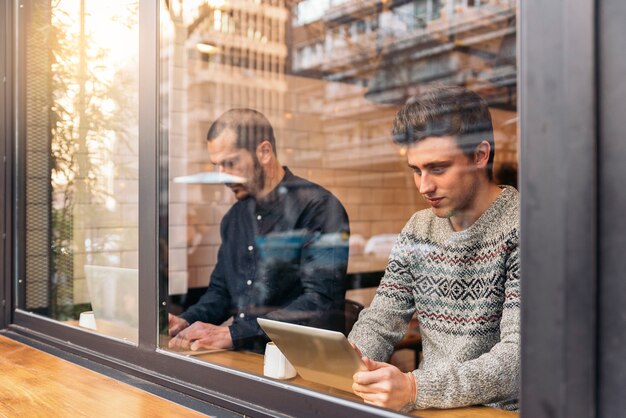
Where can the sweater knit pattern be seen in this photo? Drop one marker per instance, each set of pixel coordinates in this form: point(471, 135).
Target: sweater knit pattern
point(464, 288)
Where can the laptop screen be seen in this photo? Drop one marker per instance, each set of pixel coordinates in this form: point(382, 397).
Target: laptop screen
point(113, 292)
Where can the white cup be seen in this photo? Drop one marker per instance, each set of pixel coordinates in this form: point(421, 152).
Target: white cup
point(87, 320)
point(275, 364)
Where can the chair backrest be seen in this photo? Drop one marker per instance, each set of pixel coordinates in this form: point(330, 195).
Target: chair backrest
point(352, 310)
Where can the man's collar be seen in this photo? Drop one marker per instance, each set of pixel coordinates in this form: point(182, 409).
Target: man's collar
point(277, 194)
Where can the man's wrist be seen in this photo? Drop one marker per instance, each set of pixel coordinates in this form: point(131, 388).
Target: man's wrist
point(234, 336)
point(413, 388)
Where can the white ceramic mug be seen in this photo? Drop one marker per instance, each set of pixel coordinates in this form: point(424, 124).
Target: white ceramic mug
point(275, 364)
point(87, 320)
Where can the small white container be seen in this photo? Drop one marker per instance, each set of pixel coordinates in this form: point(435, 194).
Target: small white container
point(87, 320)
point(275, 364)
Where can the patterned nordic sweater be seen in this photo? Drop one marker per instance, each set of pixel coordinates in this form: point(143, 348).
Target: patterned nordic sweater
point(465, 289)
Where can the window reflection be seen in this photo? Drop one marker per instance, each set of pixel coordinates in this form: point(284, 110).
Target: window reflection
point(330, 77)
point(81, 160)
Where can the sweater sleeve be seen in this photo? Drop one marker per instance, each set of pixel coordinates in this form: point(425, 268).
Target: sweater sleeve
point(494, 376)
point(384, 323)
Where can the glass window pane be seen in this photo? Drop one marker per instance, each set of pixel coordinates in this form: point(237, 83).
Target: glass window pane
point(81, 178)
point(329, 77)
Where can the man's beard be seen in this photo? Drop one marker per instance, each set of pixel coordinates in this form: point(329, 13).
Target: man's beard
point(253, 186)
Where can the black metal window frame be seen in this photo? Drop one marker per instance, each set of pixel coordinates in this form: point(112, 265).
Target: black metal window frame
point(573, 230)
point(611, 323)
point(5, 164)
point(559, 207)
point(573, 233)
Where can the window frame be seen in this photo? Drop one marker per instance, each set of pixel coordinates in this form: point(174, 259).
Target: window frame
point(573, 167)
point(611, 321)
point(6, 163)
point(561, 158)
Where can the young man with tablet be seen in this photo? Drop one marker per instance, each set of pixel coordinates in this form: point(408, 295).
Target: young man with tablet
point(454, 265)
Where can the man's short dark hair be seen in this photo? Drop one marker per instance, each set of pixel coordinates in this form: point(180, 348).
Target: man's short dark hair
point(446, 111)
point(250, 127)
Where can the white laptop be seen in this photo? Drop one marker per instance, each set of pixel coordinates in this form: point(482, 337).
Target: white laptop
point(319, 355)
point(113, 292)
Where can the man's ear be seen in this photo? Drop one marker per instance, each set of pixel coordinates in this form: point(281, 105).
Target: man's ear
point(264, 152)
point(481, 154)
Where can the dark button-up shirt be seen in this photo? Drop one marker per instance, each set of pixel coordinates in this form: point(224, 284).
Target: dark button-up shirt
point(283, 257)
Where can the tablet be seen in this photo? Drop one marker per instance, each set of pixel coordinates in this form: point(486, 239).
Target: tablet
point(318, 355)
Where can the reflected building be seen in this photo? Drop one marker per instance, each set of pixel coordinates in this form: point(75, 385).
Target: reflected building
point(221, 55)
point(389, 50)
point(393, 47)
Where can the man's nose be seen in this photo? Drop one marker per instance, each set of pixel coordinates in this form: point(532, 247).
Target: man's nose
point(426, 184)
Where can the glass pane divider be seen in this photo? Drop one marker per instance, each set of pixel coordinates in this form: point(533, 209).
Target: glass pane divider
point(148, 169)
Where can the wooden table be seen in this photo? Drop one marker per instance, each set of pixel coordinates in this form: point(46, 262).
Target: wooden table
point(364, 263)
point(253, 363)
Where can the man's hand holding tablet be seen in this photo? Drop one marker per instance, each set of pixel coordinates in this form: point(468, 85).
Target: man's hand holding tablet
point(383, 384)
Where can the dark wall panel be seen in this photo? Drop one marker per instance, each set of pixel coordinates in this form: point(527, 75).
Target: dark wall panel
point(612, 222)
point(558, 187)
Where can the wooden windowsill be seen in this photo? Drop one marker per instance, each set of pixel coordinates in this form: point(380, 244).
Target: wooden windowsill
point(35, 383)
